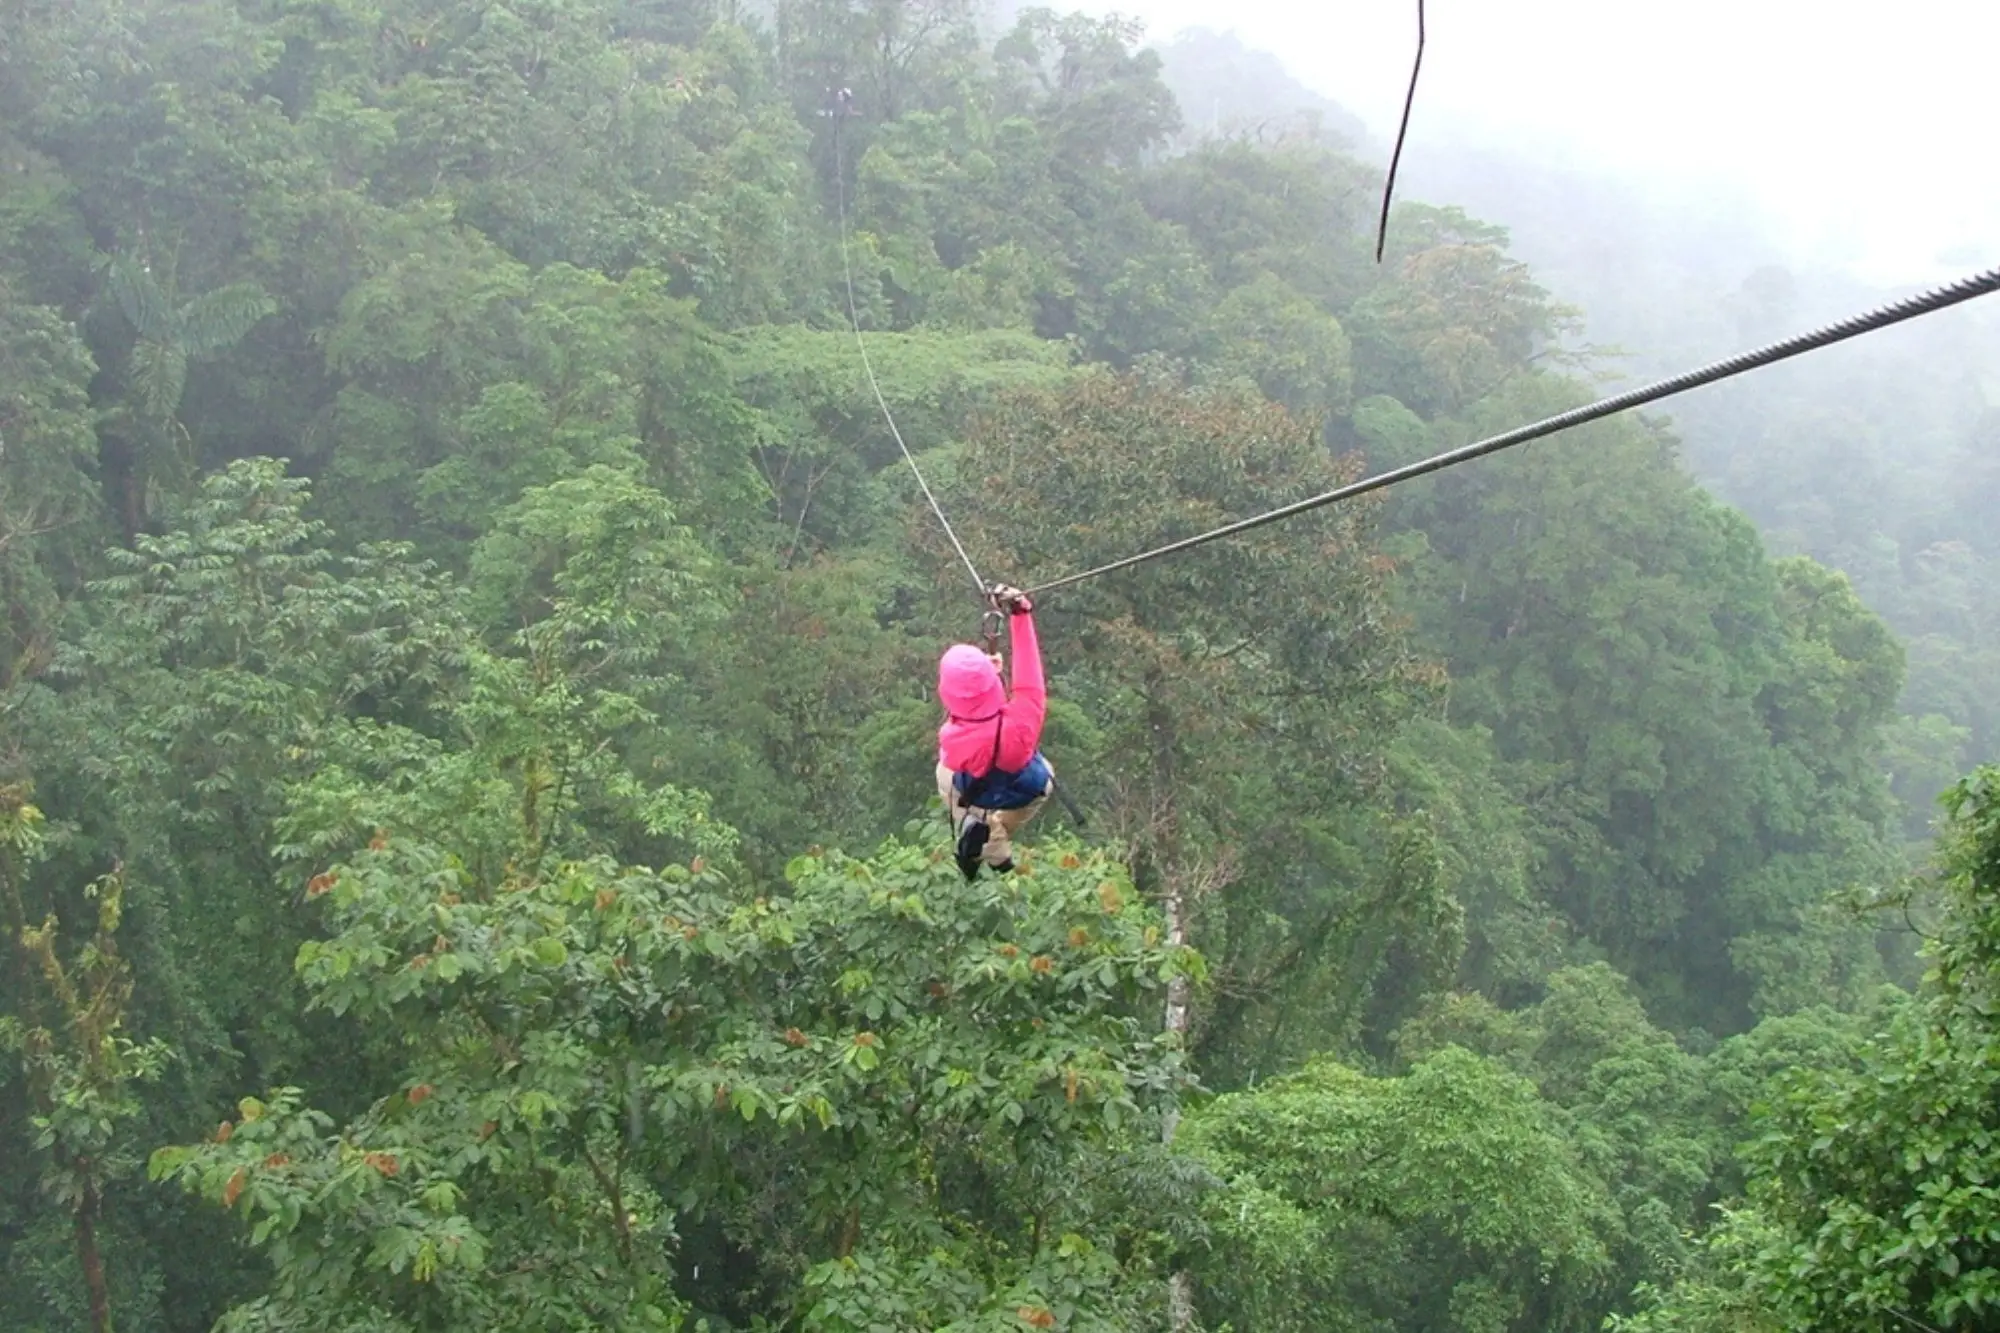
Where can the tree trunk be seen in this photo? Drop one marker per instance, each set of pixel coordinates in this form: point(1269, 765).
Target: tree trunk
point(1180, 1302)
point(87, 1253)
point(124, 483)
point(1180, 993)
point(1180, 1287)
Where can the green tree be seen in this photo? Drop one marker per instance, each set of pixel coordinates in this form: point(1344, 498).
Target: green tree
point(1696, 728)
point(1236, 697)
point(82, 1070)
point(882, 1085)
point(1869, 1204)
point(1446, 1198)
point(48, 508)
point(1293, 353)
point(1458, 318)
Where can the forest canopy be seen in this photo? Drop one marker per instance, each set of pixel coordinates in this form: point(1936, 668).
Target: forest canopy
point(469, 856)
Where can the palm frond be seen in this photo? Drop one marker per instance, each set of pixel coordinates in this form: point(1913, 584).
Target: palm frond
point(159, 373)
point(139, 296)
point(218, 319)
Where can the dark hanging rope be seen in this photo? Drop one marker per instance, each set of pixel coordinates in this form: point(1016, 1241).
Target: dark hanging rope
point(854, 322)
point(1924, 303)
point(1396, 158)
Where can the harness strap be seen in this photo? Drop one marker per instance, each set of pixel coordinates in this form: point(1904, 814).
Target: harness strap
point(977, 785)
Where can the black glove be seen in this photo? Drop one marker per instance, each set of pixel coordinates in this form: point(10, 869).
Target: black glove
point(1011, 600)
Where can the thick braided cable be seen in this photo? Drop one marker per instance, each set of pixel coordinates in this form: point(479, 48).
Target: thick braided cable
point(1896, 312)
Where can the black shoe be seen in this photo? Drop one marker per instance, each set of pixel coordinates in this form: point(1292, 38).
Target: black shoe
point(970, 844)
point(1006, 867)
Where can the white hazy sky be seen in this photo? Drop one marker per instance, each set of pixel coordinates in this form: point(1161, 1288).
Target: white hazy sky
point(1867, 131)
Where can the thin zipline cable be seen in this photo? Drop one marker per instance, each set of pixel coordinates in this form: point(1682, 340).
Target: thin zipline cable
point(854, 322)
point(1924, 303)
point(1402, 132)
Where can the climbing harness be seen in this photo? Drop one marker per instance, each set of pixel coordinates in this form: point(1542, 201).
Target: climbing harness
point(854, 322)
point(1881, 317)
point(996, 788)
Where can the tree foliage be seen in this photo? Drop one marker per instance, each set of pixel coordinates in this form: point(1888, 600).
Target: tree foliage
point(461, 593)
point(1870, 1197)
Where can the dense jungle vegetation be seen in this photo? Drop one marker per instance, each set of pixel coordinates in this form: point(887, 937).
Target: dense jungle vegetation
point(468, 854)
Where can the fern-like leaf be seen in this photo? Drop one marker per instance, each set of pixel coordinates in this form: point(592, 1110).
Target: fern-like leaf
point(218, 319)
point(159, 373)
point(139, 296)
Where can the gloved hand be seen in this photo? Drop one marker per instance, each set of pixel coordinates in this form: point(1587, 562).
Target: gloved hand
point(1012, 600)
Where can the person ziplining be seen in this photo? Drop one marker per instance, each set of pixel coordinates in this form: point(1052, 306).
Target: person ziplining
point(991, 772)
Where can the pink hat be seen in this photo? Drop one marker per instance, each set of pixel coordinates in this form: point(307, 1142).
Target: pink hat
point(968, 686)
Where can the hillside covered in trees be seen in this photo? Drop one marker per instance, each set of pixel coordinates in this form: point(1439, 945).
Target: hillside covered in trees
point(468, 851)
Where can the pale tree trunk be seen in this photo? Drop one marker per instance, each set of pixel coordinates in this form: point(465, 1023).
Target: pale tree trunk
point(1180, 1302)
point(1180, 995)
point(1176, 904)
point(1180, 1002)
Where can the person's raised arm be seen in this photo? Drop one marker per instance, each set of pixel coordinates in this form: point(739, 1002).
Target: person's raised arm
point(1029, 704)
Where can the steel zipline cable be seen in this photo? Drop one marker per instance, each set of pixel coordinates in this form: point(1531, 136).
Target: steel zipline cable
point(1882, 317)
point(854, 322)
point(1402, 132)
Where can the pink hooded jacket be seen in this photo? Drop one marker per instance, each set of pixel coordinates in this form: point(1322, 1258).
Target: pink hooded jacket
point(972, 694)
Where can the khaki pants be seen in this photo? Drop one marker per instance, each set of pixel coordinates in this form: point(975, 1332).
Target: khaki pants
point(1001, 825)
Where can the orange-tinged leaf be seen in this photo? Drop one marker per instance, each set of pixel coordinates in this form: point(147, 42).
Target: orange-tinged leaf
point(794, 1037)
point(420, 1094)
point(276, 1160)
point(1069, 1083)
point(380, 841)
point(1110, 899)
point(321, 883)
point(865, 1039)
point(234, 1189)
point(225, 1131)
point(383, 1162)
point(1010, 951)
point(1078, 937)
point(605, 898)
point(1070, 861)
point(1042, 963)
point(698, 865)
